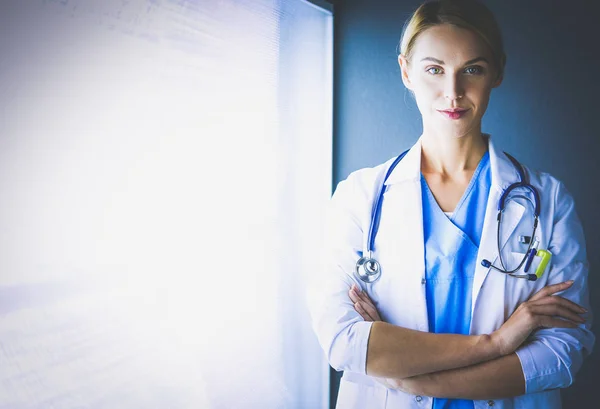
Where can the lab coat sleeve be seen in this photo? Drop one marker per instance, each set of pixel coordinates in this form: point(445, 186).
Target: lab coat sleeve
point(341, 331)
point(554, 355)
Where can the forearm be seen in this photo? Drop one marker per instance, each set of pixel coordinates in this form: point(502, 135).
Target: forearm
point(396, 352)
point(496, 379)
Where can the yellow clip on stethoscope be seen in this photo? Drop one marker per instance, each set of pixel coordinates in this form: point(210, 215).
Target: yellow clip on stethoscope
point(368, 268)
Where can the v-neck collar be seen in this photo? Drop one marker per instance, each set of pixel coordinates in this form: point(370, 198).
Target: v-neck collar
point(465, 194)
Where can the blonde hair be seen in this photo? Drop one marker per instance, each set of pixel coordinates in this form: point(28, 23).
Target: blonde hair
point(469, 14)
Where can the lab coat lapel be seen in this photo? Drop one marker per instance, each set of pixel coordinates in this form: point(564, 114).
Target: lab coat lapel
point(503, 174)
point(401, 245)
point(403, 210)
point(403, 229)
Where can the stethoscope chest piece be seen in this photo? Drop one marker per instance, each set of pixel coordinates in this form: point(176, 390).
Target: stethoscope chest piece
point(368, 269)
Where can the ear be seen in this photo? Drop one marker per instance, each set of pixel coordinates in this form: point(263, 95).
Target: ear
point(403, 62)
point(498, 81)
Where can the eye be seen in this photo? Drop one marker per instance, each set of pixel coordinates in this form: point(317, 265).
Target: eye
point(474, 70)
point(434, 70)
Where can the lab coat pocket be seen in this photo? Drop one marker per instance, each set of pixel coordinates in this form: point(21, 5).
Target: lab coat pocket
point(516, 258)
point(519, 289)
point(353, 395)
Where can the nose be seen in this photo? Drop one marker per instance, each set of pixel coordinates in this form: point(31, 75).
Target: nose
point(453, 89)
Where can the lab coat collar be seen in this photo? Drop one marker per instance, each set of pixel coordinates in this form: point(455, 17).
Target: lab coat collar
point(409, 168)
point(504, 172)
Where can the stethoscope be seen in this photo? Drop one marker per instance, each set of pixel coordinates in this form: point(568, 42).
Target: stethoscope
point(368, 268)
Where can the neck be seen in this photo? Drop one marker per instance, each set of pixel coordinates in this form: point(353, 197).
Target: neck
point(447, 156)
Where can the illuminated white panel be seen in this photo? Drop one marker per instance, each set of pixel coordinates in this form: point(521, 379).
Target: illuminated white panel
point(157, 161)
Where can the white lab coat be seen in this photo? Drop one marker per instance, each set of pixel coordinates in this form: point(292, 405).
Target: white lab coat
point(552, 358)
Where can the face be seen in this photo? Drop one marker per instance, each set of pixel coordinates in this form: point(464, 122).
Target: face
point(451, 74)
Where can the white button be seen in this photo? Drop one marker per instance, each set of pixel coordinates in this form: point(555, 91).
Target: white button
point(418, 398)
point(491, 403)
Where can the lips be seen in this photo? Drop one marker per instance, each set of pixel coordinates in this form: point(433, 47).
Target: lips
point(453, 113)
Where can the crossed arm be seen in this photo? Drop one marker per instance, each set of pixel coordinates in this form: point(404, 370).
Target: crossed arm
point(458, 366)
point(455, 366)
point(496, 379)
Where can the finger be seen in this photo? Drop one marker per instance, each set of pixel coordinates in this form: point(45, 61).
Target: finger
point(551, 289)
point(557, 311)
point(557, 299)
point(549, 322)
point(371, 310)
point(356, 289)
point(363, 313)
point(364, 296)
point(366, 302)
point(353, 296)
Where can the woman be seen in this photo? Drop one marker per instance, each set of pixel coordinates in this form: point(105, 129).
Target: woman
point(444, 325)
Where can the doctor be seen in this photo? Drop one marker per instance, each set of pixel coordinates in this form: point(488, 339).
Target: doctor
point(443, 326)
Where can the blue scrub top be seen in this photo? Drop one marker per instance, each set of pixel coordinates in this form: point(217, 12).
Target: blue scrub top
point(451, 245)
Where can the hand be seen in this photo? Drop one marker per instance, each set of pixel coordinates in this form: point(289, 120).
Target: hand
point(363, 304)
point(366, 308)
point(540, 311)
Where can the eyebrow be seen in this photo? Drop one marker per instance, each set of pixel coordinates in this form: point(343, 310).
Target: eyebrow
point(473, 61)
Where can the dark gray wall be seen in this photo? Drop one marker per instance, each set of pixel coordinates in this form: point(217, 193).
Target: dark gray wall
point(545, 112)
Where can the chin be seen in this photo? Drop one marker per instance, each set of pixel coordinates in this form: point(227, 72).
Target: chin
point(457, 131)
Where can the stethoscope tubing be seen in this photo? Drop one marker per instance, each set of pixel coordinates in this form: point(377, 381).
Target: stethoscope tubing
point(377, 208)
point(368, 268)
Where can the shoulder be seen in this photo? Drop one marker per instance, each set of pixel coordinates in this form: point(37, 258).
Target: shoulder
point(552, 188)
point(558, 213)
point(557, 202)
point(362, 183)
